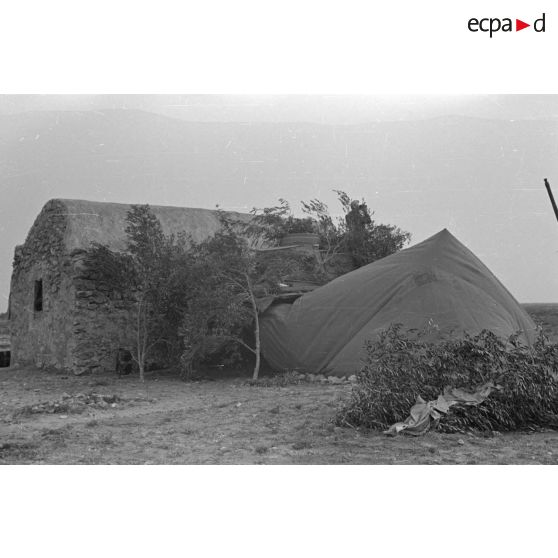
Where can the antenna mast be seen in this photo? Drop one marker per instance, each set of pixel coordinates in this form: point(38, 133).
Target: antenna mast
point(551, 198)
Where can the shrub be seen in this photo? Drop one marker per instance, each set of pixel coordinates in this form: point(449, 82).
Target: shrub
point(403, 365)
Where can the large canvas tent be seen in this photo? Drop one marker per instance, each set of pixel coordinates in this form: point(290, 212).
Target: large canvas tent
point(438, 284)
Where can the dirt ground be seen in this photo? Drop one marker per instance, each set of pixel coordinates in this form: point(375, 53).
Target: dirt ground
point(53, 418)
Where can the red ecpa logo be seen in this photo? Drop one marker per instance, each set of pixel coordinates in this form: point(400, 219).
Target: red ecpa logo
point(493, 25)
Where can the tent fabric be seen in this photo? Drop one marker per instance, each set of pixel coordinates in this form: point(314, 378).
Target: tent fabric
point(438, 284)
point(424, 416)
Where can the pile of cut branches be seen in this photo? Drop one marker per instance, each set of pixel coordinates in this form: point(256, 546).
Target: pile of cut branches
point(401, 365)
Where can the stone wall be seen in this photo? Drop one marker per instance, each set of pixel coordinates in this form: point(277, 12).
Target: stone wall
point(82, 323)
point(4, 335)
point(102, 320)
point(42, 338)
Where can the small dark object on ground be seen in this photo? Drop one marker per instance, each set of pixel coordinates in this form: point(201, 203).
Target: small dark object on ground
point(124, 362)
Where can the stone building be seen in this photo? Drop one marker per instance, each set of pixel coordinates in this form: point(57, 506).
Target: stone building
point(5, 346)
point(59, 316)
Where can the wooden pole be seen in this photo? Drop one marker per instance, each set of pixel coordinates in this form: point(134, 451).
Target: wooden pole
point(551, 198)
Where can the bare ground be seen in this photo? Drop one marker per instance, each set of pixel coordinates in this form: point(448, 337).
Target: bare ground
point(226, 421)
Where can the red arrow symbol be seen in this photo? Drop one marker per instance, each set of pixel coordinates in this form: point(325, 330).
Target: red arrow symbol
point(519, 25)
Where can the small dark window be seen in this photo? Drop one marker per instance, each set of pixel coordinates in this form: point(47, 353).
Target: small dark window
point(38, 296)
point(4, 359)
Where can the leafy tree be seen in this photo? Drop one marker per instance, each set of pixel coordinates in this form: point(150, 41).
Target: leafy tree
point(273, 223)
point(152, 275)
point(366, 240)
point(231, 278)
point(331, 235)
point(356, 233)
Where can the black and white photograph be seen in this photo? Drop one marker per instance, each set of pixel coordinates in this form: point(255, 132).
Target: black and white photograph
point(278, 279)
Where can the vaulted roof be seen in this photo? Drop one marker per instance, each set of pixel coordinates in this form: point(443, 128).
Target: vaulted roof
point(105, 223)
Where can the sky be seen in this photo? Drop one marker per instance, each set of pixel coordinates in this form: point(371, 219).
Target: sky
point(491, 197)
point(327, 109)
